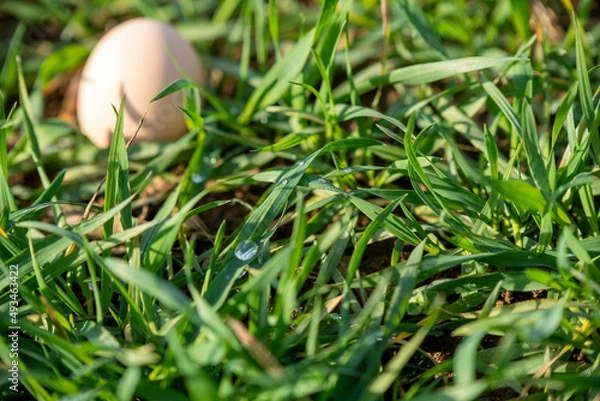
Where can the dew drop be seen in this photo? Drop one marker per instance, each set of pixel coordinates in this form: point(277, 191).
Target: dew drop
point(336, 317)
point(197, 178)
point(348, 170)
point(264, 120)
point(301, 163)
point(213, 160)
point(284, 182)
point(246, 250)
point(322, 180)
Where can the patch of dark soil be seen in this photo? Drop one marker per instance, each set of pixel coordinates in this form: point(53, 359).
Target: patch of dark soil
point(440, 348)
point(233, 213)
point(499, 394)
point(510, 297)
point(377, 257)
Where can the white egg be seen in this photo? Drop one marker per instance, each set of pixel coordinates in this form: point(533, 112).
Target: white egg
point(136, 59)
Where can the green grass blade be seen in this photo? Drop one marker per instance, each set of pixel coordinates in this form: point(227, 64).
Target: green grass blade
point(431, 72)
point(148, 283)
point(277, 80)
point(113, 173)
point(173, 87)
point(521, 18)
point(531, 144)
point(417, 18)
point(393, 368)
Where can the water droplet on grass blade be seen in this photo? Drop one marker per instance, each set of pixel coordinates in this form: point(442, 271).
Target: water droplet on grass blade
point(197, 178)
point(284, 182)
point(246, 250)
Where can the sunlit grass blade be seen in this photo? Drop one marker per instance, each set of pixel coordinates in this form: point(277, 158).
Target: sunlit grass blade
point(148, 282)
point(535, 159)
point(114, 172)
point(423, 27)
point(277, 79)
point(430, 72)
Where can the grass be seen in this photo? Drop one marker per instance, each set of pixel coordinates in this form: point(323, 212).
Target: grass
point(340, 223)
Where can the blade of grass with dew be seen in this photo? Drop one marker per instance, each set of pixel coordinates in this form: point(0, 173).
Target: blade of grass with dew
point(261, 218)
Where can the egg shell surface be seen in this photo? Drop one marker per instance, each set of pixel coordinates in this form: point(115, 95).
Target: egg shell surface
point(137, 59)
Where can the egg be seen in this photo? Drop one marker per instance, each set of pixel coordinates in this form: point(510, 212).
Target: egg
point(136, 60)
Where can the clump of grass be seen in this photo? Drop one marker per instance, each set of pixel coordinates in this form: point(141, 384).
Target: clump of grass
point(471, 159)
